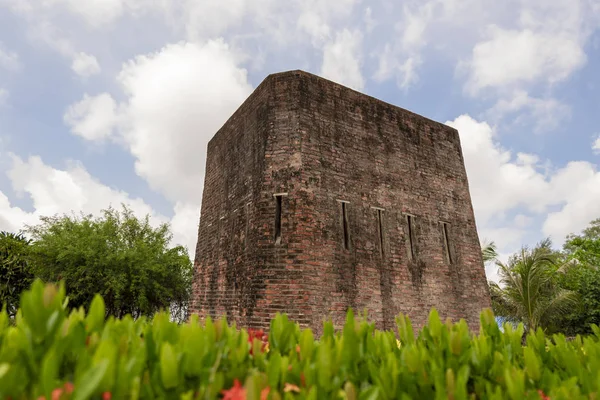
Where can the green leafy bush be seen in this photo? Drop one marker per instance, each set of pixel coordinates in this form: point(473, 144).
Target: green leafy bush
point(124, 258)
point(50, 353)
point(15, 272)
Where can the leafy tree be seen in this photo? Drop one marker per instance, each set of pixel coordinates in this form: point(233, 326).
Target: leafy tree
point(584, 278)
point(489, 252)
point(15, 274)
point(585, 248)
point(117, 255)
point(529, 291)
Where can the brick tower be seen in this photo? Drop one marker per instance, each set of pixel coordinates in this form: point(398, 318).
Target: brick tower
point(318, 198)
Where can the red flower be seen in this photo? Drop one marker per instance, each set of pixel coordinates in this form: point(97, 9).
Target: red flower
point(69, 387)
point(236, 392)
point(57, 394)
point(264, 393)
point(543, 395)
point(258, 334)
point(106, 396)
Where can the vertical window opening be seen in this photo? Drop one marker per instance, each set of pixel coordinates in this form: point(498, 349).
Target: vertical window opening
point(345, 226)
point(278, 218)
point(446, 235)
point(380, 228)
point(247, 209)
point(411, 241)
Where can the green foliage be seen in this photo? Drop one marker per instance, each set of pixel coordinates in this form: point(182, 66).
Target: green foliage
point(50, 352)
point(585, 248)
point(15, 274)
point(119, 256)
point(489, 251)
point(584, 278)
point(529, 290)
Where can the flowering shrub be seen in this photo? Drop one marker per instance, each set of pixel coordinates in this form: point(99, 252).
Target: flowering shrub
point(49, 353)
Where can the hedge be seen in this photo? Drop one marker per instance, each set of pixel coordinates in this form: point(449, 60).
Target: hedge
point(48, 352)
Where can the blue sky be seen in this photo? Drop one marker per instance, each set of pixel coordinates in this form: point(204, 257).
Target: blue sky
point(113, 101)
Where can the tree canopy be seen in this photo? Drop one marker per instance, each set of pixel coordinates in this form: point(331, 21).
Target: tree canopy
point(584, 252)
point(117, 255)
point(529, 289)
point(15, 274)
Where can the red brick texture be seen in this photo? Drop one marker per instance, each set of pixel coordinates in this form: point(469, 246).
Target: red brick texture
point(320, 144)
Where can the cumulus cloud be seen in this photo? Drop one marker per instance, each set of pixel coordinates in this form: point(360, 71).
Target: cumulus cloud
point(596, 145)
point(545, 113)
point(342, 59)
point(59, 191)
point(510, 57)
point(93, 118)
point(502, 182)
point(85, 65)
point(578, 186)
point(499, 181)
point(175, 101)
point(184, 225)
point(55, 191)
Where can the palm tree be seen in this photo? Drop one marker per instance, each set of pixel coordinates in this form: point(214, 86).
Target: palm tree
point(529, 292)
point(489, 252)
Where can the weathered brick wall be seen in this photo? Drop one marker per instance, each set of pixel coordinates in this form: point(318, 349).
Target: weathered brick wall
point(320, 144)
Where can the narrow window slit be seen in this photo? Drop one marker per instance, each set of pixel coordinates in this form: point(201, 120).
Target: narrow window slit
point(345, 226)
point(411, 242)
point(446, 235)
point(278, 218)
point(380, 227)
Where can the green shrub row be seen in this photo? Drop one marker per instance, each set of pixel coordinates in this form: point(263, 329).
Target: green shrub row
point(47, 352)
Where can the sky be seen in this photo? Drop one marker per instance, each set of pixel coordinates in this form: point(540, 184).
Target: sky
point(109, 102)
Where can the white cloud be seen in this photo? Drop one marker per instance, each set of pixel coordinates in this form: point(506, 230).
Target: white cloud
point(596, 145)
point(402, 57)
point(501, 183)
point(93, 118)
point(498, 181)
point(578, 185)
point(546, 113)
point(342, 59)
point(408, 72)
point(414, 24)
point(211, 18)
point(390, 64)
point(55, 191)
point(511, 57)
point(59, 191)
point(184, 226)
point(175, 101)
point(85, 65)
point(317, 18)
point(9, 60)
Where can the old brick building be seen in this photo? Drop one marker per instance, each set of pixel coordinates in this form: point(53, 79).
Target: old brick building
point(318, 198)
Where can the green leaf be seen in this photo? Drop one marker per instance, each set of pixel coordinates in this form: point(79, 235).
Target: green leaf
point(89, 382)
point(4, 368)
point(49, 372)
point(95, 318)
point(274, 371)
point(168, 366)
